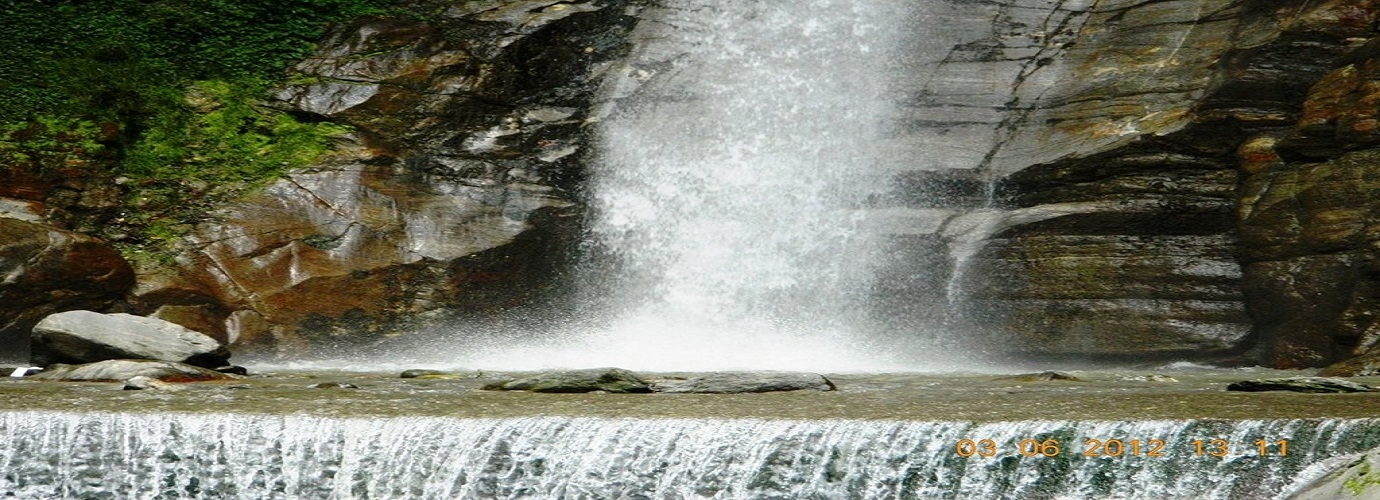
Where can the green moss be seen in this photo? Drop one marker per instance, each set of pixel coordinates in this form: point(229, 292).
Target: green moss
point(1361, 479)
point(163, 97)
point(49, 142)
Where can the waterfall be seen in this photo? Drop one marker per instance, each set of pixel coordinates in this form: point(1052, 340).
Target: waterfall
point(134, 455)
point(729, 192)
point(738, 147)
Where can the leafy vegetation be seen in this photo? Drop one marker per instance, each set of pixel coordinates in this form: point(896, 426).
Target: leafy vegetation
point(157, 97)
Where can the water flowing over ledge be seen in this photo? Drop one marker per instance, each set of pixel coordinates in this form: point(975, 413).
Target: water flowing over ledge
point(173, 455)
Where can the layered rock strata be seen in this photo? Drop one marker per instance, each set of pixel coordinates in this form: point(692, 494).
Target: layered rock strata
point(1139, 253)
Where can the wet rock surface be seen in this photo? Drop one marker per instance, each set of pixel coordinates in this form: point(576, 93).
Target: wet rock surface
point(456, 192)
point(1047, 376)
point(86, 337)
point(144, 382)
point(742, 382)
point(117, 370)
point(45, 270)
point(1142, 245)
point(1301, 384)
point(613, 380)
point(422, 373)
point(1307, 221)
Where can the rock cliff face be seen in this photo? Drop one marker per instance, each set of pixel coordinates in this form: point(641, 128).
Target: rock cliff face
point(1106, 178)
point(1150, 237)
point(456, 192)
point(1308, 215)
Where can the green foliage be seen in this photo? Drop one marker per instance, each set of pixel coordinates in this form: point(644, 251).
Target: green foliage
point(228, 140)
point(161, 94)
point(188, 161)
point(48, 142)
point(131, 56)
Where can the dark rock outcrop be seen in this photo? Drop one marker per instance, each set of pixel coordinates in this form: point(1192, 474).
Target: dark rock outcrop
point(45, 270)
point(87, 337)
point(1300, 384)
point(1308, 222)
point(615, 380)
point(743, 382)
point(118, 370)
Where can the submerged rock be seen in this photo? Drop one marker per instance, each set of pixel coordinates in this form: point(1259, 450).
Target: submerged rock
point(233, 370)
point(117, 370)
point(1300, 384)
point(420, 373)
point(84, 337)
point(333, 385)
point(1045, 376)
point(743, 382)
point(615, 380)
point(144, 382)
point(1154, 377)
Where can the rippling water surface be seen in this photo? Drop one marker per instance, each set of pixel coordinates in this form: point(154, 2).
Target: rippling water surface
point(1162, 393)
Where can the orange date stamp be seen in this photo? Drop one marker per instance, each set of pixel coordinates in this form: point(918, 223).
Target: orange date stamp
point(1117, 447)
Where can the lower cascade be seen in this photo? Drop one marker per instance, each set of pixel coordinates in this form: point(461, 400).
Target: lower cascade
point(142, 455)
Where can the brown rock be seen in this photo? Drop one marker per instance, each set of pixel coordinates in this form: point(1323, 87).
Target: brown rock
point(50, 270)
point(456, 192)
point(1365, 365)
point(1309, 237)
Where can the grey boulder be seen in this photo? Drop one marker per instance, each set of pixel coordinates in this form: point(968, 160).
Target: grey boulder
point(743, 382)
point(76, 337)
point(117, 370)
point(615, 380)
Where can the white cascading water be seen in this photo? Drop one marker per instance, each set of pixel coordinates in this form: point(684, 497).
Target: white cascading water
point(727, 192)
point(176, 456)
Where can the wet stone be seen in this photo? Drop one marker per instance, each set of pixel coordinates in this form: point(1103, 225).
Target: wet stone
point(1300, 384)
point(615, 380)
point(743, 382)
point(117, 370)
point(1045, 376)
